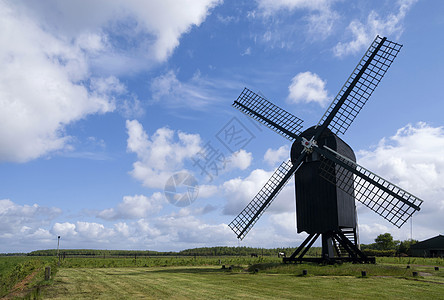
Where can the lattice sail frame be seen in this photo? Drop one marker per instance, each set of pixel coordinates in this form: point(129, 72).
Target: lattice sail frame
point(365, 86)
point(242, 224)
point(381, 201)
point(265, 112)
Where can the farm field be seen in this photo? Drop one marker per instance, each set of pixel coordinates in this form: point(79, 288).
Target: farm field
point(204, 278)
point(21, 269)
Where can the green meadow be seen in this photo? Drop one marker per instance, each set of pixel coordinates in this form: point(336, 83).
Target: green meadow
point(221, 277)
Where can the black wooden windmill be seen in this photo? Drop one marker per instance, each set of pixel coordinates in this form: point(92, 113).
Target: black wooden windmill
point(327, 178)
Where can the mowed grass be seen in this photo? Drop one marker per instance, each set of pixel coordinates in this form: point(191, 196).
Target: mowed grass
point(271, 282)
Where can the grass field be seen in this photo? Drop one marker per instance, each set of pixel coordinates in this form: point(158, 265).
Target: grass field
point(16, 269)
point(211, 282)
point(204, 278)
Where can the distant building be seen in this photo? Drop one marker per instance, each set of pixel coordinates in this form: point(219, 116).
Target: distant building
point(433, 247)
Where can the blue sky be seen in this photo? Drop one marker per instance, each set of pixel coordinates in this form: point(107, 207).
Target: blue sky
point(103, 101)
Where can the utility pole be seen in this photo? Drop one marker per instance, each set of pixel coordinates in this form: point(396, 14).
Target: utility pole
point(58, 243)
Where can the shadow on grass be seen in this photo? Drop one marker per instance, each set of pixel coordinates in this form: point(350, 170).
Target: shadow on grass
point(191, 270)
point(138, 273)
point(170, 270)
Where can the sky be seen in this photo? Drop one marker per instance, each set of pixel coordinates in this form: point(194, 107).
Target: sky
point(109, 110)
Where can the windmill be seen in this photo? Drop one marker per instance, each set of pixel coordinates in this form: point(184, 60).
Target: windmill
point(327, 177)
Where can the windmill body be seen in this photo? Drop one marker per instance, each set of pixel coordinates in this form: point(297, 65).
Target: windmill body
point(320, 205)
point(327, 178)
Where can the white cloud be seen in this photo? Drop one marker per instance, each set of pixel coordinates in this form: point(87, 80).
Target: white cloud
point(363, 34)
point(184, 229)
point(65, 229)
point(239, 192)
point(15, 217)
point(153, 28)
point(176, 231)
point(271, 6)
point(321, 17)
point(41, 234)
point(146, 229)
point(22, 227)
point(246, 52)
point(122, 228)
point(308, 87)
point(369, 231)
point(285, 223)
point(52, 51)
point(273, 157)
point(414, 160)
point(165, 85)
point(92, 230)
point(160, 155)
point(207, 191)
point(134, 207)
point(40, 89)
point(239, 160)
point(107, 85)
point(195, 93)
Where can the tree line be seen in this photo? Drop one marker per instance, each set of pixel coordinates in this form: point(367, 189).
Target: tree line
point(385, 245)
point(203, 251)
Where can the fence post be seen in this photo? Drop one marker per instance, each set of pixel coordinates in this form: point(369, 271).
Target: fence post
point(47, 273)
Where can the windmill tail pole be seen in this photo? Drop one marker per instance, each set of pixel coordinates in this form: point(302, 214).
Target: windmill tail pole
point(58, 243)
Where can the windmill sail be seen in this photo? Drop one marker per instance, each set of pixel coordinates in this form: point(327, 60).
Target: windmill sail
point(269, 114)
point(360, 85)
point(386, 199)
point(242, 224)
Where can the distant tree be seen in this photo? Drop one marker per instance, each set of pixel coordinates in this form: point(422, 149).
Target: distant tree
point(404, 246)
point(385, 242)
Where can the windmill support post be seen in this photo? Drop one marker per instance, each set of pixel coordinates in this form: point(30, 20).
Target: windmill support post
point(330, 250)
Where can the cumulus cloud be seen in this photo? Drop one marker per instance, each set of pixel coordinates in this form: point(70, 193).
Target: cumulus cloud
point(207, 191)
point(40, 89)
point(185, 228)
point(273, 157)
point(153, 28)
point(65, 229)
point(134, 207)
point(363, 34)
point(92, 230)
point(239, 192)
point(369, 230)
point(308, 87)
point(413, 159)
point(15, 217)
point(82, 231)
point(54, 55)
point(23, 225)
point(176, 231)
point(285, 223)
point(161, 154)
point(239, 160)
point(25, 228)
